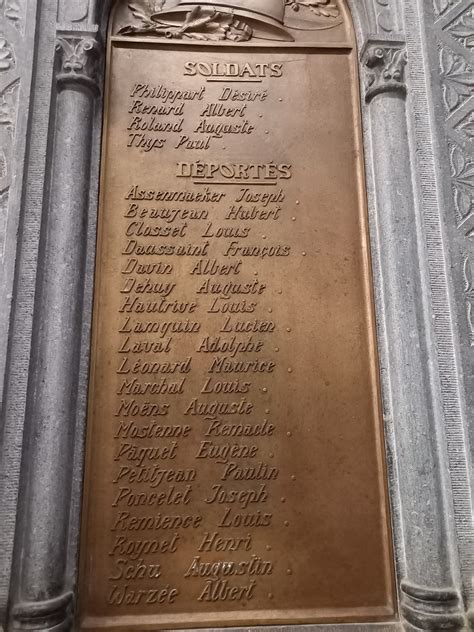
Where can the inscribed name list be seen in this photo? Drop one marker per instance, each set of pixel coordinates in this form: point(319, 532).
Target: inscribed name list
point(234, 447)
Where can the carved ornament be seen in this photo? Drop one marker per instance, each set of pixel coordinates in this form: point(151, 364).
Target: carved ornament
point(235, 20)
point(462, 28)
point(7, 60)
point(324, 8)
point(385, 10)
point(457, 79)
point(385, 69)
point(441, 6)
point(13, 11)
point(462, 174)
point(468, 270)
point(78, 57)
point(11, 41)
point(198, 24)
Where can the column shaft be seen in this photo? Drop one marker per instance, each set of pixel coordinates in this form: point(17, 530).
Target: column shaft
point(430, 599)
point(42, 601)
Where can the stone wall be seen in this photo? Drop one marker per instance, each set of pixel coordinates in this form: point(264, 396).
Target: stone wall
point(419, 144)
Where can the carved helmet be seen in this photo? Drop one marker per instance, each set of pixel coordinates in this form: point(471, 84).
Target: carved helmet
point(264, 16)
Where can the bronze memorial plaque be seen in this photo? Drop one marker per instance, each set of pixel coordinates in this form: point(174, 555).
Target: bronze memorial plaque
point(235, 462)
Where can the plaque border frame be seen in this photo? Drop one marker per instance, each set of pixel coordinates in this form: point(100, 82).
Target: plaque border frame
point(113, 40)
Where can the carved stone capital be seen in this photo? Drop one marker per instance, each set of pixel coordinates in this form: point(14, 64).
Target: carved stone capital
point(384, 64)
point(432, 609)
point(78, 58)
point(52, 614)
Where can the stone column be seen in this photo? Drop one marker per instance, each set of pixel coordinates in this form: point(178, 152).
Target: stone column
point(430, 599)
point(41, 600)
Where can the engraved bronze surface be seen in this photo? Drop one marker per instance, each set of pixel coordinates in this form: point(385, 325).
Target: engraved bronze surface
point(235, 471)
